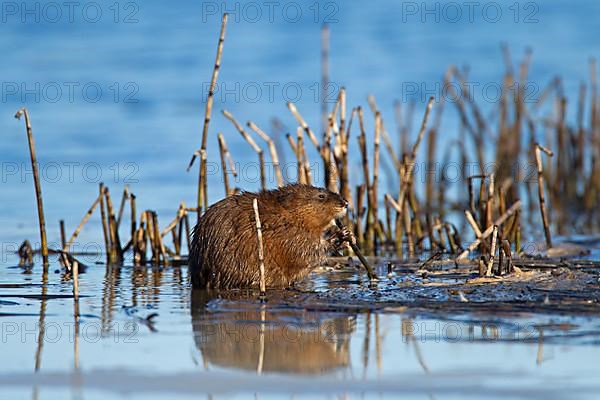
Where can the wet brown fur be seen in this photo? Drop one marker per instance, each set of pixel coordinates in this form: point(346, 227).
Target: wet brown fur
point(294, 221)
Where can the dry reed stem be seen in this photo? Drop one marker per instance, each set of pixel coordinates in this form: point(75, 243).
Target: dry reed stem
point(202, 195)
point(124, 199)
point(37, 184)
point(272, 150)
point(252, 144)
point(107, 243)
point(84, 220)
point(299, 155)
point(542, 198)
point(63, 238)
point(261, 258)
point(222, 149)
point(116, 251)
point(133, 220)
point(515, 207)
point(75, 272)
point(304, 125)
point(490, 263)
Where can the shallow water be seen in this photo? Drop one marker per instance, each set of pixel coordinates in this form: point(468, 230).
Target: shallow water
point(142, 332)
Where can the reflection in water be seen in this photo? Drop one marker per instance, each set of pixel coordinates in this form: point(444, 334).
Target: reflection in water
point(266, 339)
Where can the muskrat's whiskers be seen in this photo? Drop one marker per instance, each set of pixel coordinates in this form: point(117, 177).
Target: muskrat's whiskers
point(37, 184)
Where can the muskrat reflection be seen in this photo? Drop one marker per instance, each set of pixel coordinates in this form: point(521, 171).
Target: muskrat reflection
point(245, 336)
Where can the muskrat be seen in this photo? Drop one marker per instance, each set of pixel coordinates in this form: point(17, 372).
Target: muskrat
point(297, 234)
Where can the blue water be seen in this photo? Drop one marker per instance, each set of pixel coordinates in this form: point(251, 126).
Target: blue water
point(116, 93)
point(153, 65)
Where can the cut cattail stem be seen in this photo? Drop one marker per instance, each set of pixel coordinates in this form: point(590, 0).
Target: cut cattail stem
point(104, 223)
point(84, 220)
point(272, 150)
point(261, 258)
point(222, 149)
point(252, 144)
point(300, 155)
point(38, 187)
point(116, 251)
point(133, 220)
point(516, 206)
point(75, 272)
point(490, 263)
point(124, 199)
point(63, 239)
point(304, 126)
point(540, 177)
point(202, 195)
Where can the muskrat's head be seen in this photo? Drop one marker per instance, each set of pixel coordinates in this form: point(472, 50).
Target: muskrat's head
point(314, 207)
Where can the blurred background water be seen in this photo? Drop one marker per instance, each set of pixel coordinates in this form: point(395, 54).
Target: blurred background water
point(116, 90)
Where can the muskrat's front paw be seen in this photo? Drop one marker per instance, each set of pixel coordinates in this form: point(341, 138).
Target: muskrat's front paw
point(345, 236)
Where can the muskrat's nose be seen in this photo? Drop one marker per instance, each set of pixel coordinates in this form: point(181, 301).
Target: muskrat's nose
point(345, 203)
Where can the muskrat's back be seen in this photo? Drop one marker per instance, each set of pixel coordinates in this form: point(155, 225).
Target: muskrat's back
point(294, 218)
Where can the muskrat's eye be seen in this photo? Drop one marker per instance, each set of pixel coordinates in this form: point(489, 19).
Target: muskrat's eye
point(322, 196)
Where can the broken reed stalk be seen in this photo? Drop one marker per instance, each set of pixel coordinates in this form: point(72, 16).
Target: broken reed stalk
point(261, 257)
point(124, 199)
point(540, 177)
point(272, 150)
point(222, 150)
point(374, 192)
point(133, 220)
point(104, 223)
point(63, 238)
point(512, 209)
point(38, 187)
point(370, 272)
point(202, 186)
point(406, 180)
point(252, 144)
point(84, 220)
point(116, 251)
point(300, 152)
point(490, 263)
point(304, 126)
point(370, 223)
point(75, 272)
